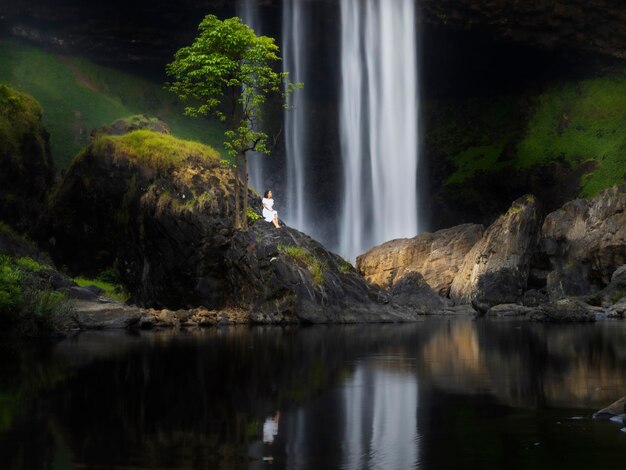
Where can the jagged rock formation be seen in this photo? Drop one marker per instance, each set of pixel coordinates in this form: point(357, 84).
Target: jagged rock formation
point(436, 256)
point(585, 241)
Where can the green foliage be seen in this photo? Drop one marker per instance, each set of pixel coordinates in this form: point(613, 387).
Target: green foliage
point(229, 67)
point(253, 216)
point(316, 267)
point(20, 117)
point(345, 267)
point(27, 304)
point(161, 152)
point(78, 96)
point(581, 123)
point(111, 289)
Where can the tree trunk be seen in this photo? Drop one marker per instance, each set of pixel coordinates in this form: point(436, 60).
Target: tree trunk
point(237, 218)
point(244, 165)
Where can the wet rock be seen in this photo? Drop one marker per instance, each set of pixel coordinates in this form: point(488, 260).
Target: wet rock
point(564, 311)
point(495, 271)
point(84, 293)
point(534, 298)
point(436, 256)
point(618, 309)
point(100, 315)
point(414, 292)
point(510, 311)
point(617, 408)
point(616, 289)
point(458, 310)
point(147, 321)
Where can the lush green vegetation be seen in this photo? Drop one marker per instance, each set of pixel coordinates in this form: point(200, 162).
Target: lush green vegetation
point(27, 304)
point(20, 116)
point(78, 96)
point(157, 150)
point(578, 122)
point(111, 290)
point(229, 67)
point(302, 256)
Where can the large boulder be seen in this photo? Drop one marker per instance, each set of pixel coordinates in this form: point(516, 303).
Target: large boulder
point(156, 207)
point(585, 241)
point(436, 256)
point(496, 269)
point(284, 276)
point(26, 167)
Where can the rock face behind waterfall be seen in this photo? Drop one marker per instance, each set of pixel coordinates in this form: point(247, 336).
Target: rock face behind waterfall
point(496, 269)
point(436, 256)
point(585, 241)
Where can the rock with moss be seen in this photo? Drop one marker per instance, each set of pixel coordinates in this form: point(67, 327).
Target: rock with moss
point(284, 276)
point(26, 167)
point(585, 241)
point(157, 207)
point(496, 269)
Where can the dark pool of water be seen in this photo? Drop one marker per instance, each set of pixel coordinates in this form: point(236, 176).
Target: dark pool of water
point(440, 394)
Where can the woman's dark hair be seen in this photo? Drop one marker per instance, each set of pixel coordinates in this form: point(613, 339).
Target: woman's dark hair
point(266, 193)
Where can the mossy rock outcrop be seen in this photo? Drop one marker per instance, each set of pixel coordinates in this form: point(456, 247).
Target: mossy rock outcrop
point(26, 167)
point(157, 207)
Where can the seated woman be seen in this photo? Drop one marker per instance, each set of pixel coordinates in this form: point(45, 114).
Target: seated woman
point(269, 213)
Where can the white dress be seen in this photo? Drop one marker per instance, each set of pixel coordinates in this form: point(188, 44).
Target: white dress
point(268, 210)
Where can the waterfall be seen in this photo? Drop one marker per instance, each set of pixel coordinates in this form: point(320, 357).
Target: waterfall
point(248, 12)
point(379, 123)
point(294, 56)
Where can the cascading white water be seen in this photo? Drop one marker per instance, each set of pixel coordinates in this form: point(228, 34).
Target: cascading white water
point(294, 60)
point(379, 122)
point(248, 11)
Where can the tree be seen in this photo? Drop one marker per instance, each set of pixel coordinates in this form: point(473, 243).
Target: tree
point(228, 72)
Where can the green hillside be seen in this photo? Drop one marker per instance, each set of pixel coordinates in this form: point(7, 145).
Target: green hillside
point(579, 123)
point(78, 95)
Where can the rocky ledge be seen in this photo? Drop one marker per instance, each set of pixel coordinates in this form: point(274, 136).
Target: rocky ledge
point(568, 266)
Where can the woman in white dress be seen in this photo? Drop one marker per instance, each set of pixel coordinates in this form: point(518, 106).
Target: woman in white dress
point(269, 213)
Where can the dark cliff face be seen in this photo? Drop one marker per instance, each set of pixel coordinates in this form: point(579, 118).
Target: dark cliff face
point(596, 26)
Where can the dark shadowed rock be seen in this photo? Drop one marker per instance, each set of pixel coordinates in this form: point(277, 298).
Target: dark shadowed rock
point(414, 292)
point(495, 271)
point(616, 289)
point(617, 408)
point(585, 241)
point(563, 311)
point(510, 311)
point(26, 167)
point(534, 298)
point(284, 276)
point(436, 256)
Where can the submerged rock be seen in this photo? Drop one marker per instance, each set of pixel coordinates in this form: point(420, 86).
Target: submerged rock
point(436, 256)
point(495, 271)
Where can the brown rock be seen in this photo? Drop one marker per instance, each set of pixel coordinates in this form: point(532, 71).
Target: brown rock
point(586, 242)
point(436, 256)
point(495, 271)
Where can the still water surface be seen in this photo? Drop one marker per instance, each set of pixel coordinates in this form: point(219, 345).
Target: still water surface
point(440, 394)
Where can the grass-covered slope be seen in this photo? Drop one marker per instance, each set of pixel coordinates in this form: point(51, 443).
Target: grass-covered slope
point(580, 124)
point(78, 96)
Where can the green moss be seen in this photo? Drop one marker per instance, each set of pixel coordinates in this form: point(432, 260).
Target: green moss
point(20, 116)
point(27, 305)
point(316, 267)
point(78, 96)
point(580, 122)
point(111, 290)
point(253, 215)
point(345, 267)
point(161, 152)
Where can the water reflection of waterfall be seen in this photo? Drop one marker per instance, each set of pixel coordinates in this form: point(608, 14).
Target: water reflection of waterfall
point(379, 122)
point(380, 426)
point(248, 11)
